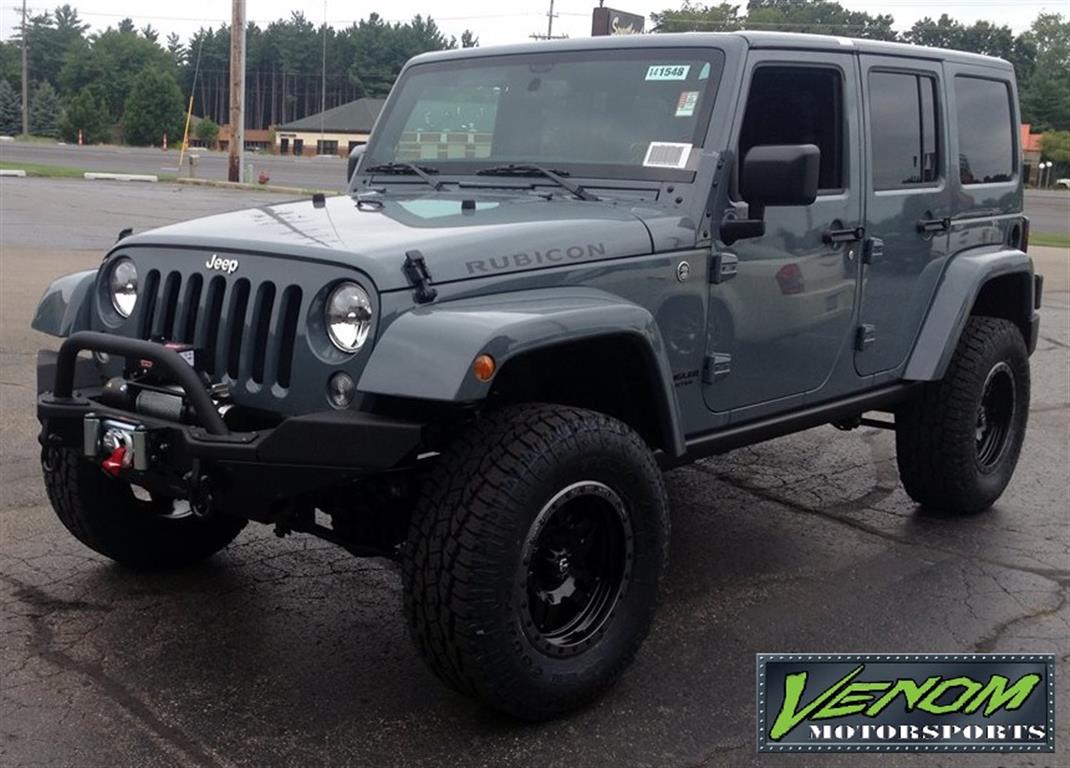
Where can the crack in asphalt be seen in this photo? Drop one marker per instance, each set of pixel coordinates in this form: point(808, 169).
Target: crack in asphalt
point(832, 513)
point(42, 644)
point(987, 644)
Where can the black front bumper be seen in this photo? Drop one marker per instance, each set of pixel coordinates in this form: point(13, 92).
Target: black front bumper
point(300, 453)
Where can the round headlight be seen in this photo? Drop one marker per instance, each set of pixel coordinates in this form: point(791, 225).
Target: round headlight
point(123, 287)
point(348, 317)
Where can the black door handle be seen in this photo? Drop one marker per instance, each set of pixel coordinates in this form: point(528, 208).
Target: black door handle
point(933, 225)
point(832, 236)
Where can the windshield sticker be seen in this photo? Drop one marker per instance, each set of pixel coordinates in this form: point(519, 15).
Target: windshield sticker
point(665, 154)
point(668, 71)
point(685, 105)
point(705, 73)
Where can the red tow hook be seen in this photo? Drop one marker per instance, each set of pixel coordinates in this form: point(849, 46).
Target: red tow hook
point(114, 463)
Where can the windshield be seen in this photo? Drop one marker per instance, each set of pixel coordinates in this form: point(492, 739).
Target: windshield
point(633, 113)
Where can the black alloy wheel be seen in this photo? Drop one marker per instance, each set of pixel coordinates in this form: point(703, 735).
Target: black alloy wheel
point(577, 563)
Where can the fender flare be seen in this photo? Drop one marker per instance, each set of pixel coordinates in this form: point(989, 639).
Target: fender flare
point(64, 307)
point(427, 352)
point(958, 289)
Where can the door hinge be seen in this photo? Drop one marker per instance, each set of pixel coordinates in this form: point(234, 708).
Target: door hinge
point(865, 335)
point(723, 267)
point(717, 366)
point(872, 249)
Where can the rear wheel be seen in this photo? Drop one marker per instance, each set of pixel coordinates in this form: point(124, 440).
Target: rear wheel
point(958, 442)
point(103, 513)
point(534, 558)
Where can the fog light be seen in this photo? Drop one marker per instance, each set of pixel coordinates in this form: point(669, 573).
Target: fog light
point(341, 389)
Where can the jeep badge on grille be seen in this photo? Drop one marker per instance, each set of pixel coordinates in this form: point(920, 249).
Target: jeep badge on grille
point(230, 266)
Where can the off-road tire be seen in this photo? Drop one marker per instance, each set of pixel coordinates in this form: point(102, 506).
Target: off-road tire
point(463, 562)
point(936, 435)
point(103, 513)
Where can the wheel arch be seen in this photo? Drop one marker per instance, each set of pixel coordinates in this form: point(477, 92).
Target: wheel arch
point(993, 281)
point(64, 307)
point(576, 339)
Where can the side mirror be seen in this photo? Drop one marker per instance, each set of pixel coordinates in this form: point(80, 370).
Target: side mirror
point(354, 161)
point(777, 175)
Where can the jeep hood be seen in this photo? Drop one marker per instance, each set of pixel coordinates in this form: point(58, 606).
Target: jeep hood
point(461, 236)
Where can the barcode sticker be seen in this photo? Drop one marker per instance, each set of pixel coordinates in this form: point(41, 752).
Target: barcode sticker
point(668, 71)
point(665, 154)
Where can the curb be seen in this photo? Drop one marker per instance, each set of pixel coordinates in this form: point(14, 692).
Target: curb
point(252, 187)
point(120, 177)
point(18, 174)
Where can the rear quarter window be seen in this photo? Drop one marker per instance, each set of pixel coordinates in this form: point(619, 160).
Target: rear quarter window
point(985, 130)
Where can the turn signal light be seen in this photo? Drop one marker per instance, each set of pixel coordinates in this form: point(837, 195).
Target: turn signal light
point(484, 367)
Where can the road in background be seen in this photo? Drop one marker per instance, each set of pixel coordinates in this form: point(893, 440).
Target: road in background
point(326, 172)
point(293, 652)
point(1049, 210)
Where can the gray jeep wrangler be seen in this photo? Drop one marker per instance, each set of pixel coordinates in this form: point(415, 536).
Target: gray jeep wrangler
point(558, 270)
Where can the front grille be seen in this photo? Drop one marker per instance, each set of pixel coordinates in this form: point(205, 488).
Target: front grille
point(246, 330)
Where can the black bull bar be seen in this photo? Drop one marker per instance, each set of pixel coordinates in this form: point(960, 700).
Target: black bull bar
point(297, 454)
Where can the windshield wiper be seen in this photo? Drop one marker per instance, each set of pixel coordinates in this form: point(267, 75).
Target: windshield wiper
point(402, 167)
point(527, 169)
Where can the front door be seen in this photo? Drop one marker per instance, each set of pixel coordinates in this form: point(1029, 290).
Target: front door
point(908, 205)
point(779, 325)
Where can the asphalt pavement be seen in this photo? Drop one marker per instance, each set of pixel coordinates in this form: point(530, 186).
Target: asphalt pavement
point(1049, 210)
point(291, 652)
point(327, 172)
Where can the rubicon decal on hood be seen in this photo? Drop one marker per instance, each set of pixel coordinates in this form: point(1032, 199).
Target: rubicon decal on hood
point(527, 259)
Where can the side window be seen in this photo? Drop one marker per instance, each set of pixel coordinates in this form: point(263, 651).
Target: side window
point(903, 134)
point(986, 134)
point(798, 105)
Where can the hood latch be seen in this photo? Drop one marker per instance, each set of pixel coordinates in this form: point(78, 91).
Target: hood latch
point(415, 270)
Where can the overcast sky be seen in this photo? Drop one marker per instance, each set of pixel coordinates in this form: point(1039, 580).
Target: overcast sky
point(493, 21)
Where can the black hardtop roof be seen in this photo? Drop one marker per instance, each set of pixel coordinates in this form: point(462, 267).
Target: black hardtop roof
point(728, 40)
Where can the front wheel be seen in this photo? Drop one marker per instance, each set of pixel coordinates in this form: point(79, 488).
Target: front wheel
point(957, 443)
point(103, 513)
point(534, 558)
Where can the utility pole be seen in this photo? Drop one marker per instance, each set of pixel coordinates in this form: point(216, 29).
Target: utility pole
point(323, 79)
point(25, 78)
point(235, 171)
point(549, 27)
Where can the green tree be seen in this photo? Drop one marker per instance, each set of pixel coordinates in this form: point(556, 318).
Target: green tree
point(818, 17)
point(381, 49)
point(45, 111)
point(176, 49)
point(1045, 95)
point(812, 16)
point(85, 113)
point(11, 64)
point(469, 39)
point(698, 17)
point(1056, 147)
point(109, 64)
point(49, 36)
point(207, 130)
point(153, 108)
point(10, 110)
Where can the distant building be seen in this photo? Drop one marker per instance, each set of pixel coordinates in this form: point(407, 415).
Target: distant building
point(1031, 151)
point(334, 132)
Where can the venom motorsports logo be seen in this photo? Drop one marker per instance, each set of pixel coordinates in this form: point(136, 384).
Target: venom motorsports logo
point(906, 702)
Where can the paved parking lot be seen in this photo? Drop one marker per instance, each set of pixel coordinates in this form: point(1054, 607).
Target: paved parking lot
point(292, 652)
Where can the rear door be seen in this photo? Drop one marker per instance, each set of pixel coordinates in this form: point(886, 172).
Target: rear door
point(908, 205)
